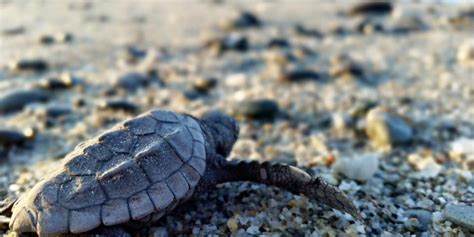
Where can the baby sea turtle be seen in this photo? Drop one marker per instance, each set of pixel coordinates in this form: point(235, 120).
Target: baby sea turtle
point(142, 168)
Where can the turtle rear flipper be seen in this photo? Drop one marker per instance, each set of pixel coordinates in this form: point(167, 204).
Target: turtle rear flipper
point(289, 178)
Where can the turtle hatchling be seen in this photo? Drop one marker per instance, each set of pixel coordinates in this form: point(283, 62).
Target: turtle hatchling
point(142, 168)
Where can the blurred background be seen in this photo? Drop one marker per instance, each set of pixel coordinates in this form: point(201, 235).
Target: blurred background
point(376, 97)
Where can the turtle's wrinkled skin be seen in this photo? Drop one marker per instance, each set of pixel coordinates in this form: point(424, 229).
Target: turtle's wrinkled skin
point(143, 168)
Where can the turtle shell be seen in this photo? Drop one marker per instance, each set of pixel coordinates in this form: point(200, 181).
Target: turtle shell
point(140, 168)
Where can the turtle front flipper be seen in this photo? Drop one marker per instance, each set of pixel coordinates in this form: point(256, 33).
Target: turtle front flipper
point(286, 177)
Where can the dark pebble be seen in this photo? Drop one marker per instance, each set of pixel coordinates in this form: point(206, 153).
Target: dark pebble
point(303, 31)
point(119, 104)
point(17, 30)
point(369, 26)
point(55, 111)
point(299, 75)
point(258, 109)
point(371, 8)
point(46, 39)
point(192, 94)
point(278, 43)
point(63, 81)
point(243, 20)
point(132, 54)
point(29, 65)
point(418, 219)
point(464, 18)
point(343, 65)
point(234, 41)
point(62, 37)
point(203, 85)
point(15, 100)
point(132, 81)
point(10, 137)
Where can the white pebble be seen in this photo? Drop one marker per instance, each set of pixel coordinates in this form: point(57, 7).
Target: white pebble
point(360, 167)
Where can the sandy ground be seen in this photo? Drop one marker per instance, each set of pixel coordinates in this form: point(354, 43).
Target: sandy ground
point(415, 75)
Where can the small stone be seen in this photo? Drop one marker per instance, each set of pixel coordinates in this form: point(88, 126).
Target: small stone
point(369, 26)
point(234, 41)
point(132, 54)
point(387, 129)
point(15, 30)
point(29, 65)
point(14, 101)
point(258, 109)
point(303, 31)
point(119, 104)
point(360, 167)
point(232, 224)
point(132, 81)
point(427, 166)
point(278, 43)
point(465, 53)
point(299, 75)
point(463, 146)
point(63, 37)
point(46, 39)
point(203, 85)
point(253, 230)
point(342, 65)
point(158, 232)
point(54, 111)
point(242, 20)
point(460, 214)
point(371, 8)
point(64, 81)
point(10, 137)
point(437, 217)
point(418, 219)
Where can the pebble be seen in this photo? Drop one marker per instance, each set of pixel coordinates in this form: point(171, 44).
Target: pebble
point(132, 54)
point(64, 81)
point(427, 166)
point(371, 8)
point(360, 167)
point(234, 41)
point(232, 224)
point(300, 29)
point(463, 146)
point(418, 219)
point(132, 81)
point(387, 129)
point(463, 18)
point(258, 109)
point(203, 85)
point(253, 230)
point(465, 54)
point(342, 66)
point(278, 43)
point(119, 104)
point(369, 26)
point(62, 37)
point(460, 214)
point(10, 136)
point(15, 30)
point(158, 232)
point(243, 20)
point(15, 100)
point(29, 65)
point(54, 111)
point(298, 75)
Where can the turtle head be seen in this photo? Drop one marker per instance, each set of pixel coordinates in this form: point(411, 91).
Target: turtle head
point(224, 130)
